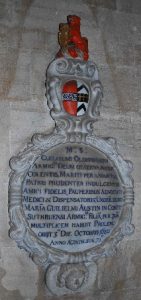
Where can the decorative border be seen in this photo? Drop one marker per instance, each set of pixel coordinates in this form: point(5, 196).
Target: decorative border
point(40, 252)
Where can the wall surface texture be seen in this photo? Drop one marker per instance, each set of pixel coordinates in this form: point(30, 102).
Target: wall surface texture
point(28, 42)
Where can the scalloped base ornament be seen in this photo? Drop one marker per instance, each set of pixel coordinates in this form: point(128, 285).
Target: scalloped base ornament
point(70, 278)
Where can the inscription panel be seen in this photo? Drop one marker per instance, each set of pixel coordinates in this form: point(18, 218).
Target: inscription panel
point(72, 197)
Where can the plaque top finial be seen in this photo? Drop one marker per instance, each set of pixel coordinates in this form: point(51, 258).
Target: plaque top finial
point(72, 43)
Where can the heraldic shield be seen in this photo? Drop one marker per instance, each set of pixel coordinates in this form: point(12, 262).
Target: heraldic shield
point(75, 97)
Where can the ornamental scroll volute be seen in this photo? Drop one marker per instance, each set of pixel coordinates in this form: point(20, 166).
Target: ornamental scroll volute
point(70, 192)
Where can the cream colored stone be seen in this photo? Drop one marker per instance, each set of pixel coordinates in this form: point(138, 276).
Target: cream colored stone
point(21, 273)
point(24, 124)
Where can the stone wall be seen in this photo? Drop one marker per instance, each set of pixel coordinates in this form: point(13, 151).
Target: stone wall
point(28, 42)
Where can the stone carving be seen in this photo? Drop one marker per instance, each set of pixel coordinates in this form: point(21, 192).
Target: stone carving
point(72, 276)
point(61, 71)
point(67, 271)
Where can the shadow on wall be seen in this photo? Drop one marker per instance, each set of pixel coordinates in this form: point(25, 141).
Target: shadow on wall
point(5, 294)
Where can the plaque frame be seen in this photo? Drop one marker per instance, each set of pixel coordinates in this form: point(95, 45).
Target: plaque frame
point(63, 133)
point(68, 129)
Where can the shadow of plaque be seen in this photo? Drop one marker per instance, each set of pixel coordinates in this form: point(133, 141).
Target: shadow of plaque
point(70, 192)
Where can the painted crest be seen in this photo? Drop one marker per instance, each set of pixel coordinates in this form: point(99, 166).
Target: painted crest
point(75, 98)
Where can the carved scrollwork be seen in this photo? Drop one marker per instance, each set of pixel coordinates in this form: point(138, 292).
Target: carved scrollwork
point(45, 141)
point(73, 67)
point(62, 70)
point(63, 66)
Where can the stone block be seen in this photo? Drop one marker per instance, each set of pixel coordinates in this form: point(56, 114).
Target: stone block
point(137, 53)
point(23, 125)
point(121, 272)
point(126, 88)
point(4, 134)
point(110, 101)
point(119, 27)
point(118, 127)
point(96, 47)
point(109, 4)
point(19, 274)
point(129, 6)
point(4, 219)
point(48, 10)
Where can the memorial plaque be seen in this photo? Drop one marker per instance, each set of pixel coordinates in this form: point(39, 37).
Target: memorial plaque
point(72, 197)
point(70, 192)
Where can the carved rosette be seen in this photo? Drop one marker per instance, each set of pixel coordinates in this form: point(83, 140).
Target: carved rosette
point(70, 278)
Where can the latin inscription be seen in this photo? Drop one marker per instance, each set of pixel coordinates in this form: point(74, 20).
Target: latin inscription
point(72, 198)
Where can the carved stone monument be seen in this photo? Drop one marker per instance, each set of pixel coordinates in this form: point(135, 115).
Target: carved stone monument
point(70, 192)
